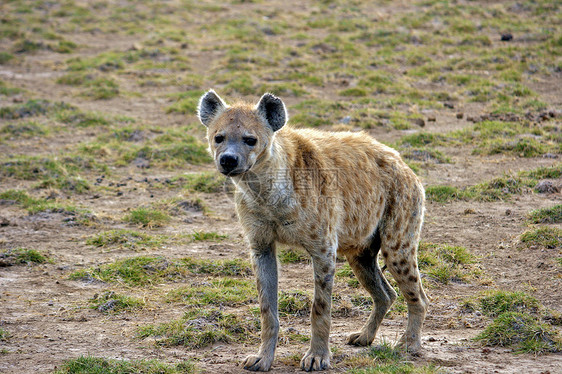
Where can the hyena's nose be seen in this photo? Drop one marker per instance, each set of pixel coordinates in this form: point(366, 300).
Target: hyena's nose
point(229, 162)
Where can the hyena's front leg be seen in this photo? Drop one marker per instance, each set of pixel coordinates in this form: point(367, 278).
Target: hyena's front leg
point(318, 355)
point(265, 267)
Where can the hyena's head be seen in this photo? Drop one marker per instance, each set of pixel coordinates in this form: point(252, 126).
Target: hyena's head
point(241, 134)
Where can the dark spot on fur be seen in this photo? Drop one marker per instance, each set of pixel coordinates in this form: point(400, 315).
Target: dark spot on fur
point(319, 307)
point(414, 300)
point(412, 278)
point(406, 271)
point(402, 262)
point(385, 254)
point(395, 264)
point(410, 293)
point(398, 271)
point(314, 236)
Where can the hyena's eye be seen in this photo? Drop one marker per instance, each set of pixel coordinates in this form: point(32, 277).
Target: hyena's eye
point(250, 141)
point(219, 139)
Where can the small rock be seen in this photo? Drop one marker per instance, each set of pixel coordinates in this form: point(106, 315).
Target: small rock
point(141, 163)
point(449, 105)
point(136, 47)
point(345, 120)
point(549, 155)
point(546, 187)
point(184, 45)
point(431, 339)
point(506, 37)
point(470, 119)
point(4, 222)
point(119, 193)
point(460, 115)
point(418, 121)
point(431, 118)
point(469, 211)
point(508, 212)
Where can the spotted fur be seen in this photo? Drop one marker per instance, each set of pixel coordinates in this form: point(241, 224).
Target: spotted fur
point(329, 193)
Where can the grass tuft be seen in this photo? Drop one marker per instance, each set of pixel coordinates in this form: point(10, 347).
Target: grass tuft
point(98, 365)
point(522, 332)
point(126, 238)
point(294, 303)
point(547, 215)
point(549, 237)
point(445, 263)
point(113, 303)
point(218, 292)
point(201, 328)
point(23, 256)
point(147, 217)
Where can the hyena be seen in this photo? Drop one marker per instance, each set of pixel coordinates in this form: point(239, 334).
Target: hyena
point(329, 193)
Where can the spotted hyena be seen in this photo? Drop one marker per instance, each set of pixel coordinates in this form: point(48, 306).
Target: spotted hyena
point(329, 193)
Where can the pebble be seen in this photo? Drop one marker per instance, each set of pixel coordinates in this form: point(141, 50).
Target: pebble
point(420, 122)
point(431, 118)
point(460, 115)
point(547, 187)
point(506, 37)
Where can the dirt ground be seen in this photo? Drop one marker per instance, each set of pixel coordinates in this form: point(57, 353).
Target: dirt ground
point(47, 314)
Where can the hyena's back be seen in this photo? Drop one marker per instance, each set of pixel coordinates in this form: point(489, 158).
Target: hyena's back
point(374, 189)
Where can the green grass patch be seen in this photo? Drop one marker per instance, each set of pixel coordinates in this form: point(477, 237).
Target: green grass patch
point(30, 108)
point(294, 303)
point(187, 102)
point(209, 182)
point(422, 139)
point(346, 274)
point(4, 335)
point(112, 303)
point(25, 129)
point(500, 188)
point(386, 358)
point(494, 303)
point(546, 236)
point(292, 256)
point(235, 267)
point(147, 217)
point(34, 205)
point(60, 173)
point(445, 263)
point(23, 256)
point(124, 238)
point(201, 328)
point(218, 292)
point(522, 332)
point(199, 236)
point(98, 365)
point(145, 270)
point(5, 57)
point(97, 88)
point(5, 89)
point(135, 271)
point(544, 172)
point(547, 215)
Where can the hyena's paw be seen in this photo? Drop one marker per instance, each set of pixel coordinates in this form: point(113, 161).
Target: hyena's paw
point(412, 346)
point(315, 361)
point(257, 363)
point(360, 339)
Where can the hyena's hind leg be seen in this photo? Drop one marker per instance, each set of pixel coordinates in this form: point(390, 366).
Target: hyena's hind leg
point(367, 270)
point(400, 254)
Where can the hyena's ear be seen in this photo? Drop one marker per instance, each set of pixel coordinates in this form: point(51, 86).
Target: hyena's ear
point(209, 106)
point(273, 110)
